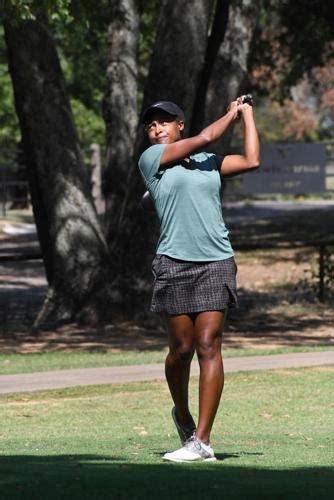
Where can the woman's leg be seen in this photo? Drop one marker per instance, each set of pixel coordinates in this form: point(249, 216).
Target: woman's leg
point(181, 350)
point(208, 333)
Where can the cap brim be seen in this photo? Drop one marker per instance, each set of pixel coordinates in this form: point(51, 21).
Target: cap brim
point(166, 106)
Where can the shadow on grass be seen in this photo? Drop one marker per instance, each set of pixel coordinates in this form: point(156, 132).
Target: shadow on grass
point(254, 320)
point(20, 302)
point(96, 477)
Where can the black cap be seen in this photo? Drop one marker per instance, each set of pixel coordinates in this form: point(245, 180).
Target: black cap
point(168, 106)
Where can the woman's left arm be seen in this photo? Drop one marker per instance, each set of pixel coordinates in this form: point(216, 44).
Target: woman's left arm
point(250, 160)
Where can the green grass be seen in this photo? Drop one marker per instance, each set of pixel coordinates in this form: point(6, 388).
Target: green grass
point(48, 361)
point(273, 437)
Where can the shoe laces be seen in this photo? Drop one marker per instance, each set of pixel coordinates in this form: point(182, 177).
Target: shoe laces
point(194, 441)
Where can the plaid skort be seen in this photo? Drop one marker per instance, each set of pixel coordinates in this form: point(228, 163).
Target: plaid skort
point(182, 287)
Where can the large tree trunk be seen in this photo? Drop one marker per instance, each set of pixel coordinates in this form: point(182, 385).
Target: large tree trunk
point(179, 53)
point(229, 72)
point(121, 117)
point(215, 41)
point(73, 246)
point(176, 62)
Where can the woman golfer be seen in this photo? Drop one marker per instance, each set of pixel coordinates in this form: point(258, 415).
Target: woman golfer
point(194, 268)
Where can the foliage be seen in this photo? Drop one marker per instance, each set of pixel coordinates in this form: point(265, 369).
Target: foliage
point(82, 46)
point(289, 44)
point(30, 9)
point(308, 26)
point(292, 64)
point(80, 32)
point(268, 123)
point(9, 131)
point(90, 125)
point(282, 54)
point(298, 122)
point(309, 113)
point(149, 14)
point(311, 282)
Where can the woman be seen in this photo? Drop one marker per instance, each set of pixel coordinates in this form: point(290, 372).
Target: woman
point(194, 266)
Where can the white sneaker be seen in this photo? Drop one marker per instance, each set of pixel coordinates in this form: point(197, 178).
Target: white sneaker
point(193, 450)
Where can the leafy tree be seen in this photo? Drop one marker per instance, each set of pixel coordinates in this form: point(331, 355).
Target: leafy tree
point(82, 49)
point(287, 43)
point(126, 54)
point(74, 249)
point(291, 57)
point(79, 30)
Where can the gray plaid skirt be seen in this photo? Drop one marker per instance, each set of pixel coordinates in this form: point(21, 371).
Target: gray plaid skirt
point(182, 287)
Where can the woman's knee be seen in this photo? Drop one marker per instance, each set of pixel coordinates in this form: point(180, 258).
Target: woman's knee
point(181, 338)
point(208, 344)
point(182, 351)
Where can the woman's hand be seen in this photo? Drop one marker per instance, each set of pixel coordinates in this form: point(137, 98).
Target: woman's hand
point(244, 105)
point(250, 159)
point(232, 108)
point(238, 107)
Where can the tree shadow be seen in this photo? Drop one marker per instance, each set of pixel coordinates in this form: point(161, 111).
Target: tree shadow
point(99, 477)
point(256, 224)
point(255, 319)
point(253, 323)
point(21, 299)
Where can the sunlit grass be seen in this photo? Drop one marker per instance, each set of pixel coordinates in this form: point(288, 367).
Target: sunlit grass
point(273, 438)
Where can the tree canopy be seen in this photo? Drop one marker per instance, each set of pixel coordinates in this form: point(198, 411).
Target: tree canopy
point(288, 49)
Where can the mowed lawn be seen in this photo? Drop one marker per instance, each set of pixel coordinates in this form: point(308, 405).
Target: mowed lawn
point(273, 437)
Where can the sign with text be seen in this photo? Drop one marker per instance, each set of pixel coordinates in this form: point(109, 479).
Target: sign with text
point(288, 168)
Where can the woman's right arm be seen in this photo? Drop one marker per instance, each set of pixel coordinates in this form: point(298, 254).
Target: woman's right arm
point(182, 148)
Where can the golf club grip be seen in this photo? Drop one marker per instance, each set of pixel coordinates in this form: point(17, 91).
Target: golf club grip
point(248, 99)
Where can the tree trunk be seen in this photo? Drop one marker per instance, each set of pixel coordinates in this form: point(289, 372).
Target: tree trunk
point(179, 53)
point(73, 246)
point(120, 112)
point(216, 38)
point(229, 73)
point(172, 74)
point(121, 116)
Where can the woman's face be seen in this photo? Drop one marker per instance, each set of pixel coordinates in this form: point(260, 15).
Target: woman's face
point(162, 128)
